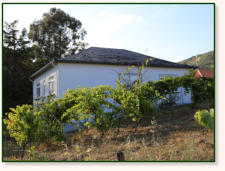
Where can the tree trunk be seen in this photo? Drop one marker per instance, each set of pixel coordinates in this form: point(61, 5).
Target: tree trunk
point(23, 150)
point(118, 129)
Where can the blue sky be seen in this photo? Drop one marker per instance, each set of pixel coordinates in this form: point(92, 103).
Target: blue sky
point(170, 32)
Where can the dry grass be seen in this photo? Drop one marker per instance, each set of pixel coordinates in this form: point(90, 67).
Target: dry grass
point(177, 137)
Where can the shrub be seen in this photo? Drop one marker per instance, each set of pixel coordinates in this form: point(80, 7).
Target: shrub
point(202, 89)
point(22, 123)
point(205, 118)
point(94, 107)
point(134, 102)
point(51, 110)
point(129, 102)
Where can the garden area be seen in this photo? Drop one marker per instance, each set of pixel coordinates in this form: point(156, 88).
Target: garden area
point(124, 123)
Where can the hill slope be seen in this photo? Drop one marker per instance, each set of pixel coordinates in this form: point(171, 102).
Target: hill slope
point(204, 61)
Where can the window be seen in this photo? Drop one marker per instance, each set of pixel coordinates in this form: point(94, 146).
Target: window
point(51, 85)
point(38, 88)
point(44, 88)
point(132, 77)
point(129, 79)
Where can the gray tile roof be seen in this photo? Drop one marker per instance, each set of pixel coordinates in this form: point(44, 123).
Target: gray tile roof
point(109, 56)
point(97, 55)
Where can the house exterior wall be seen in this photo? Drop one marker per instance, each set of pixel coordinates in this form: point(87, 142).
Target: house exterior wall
point(43, 80)
point(156, 73)
point(70, 76)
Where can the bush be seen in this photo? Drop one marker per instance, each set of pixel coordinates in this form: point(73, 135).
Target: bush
point(133, 102)
point(94, 107)
point(50, 111)
point(205, 118)
point(22, 123)
point(201, 89)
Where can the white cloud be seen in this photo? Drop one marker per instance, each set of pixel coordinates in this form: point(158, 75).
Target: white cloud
point(105, 33)
point(141, 20)
point(113, 21)
point(26, 14)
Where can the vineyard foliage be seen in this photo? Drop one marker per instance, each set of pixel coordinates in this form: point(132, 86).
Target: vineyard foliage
point(102, 107)
point(22, 124)
point(205, 118)
point(93, 107)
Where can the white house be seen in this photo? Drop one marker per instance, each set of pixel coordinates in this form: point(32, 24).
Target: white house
point(101, 66)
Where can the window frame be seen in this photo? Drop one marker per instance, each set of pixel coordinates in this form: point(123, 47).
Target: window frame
point(44, 88)
point(130, 74)
point(38, 90)
point(51, 86)
point(127, 80)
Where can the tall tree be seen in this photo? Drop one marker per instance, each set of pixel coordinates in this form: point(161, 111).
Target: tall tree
point(18, 65)
point(54, 36)
point(12, 75)
point(57, 34)
point(10, 35)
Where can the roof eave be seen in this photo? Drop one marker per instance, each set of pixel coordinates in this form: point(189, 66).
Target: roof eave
point(127, 64)
point(42, 70)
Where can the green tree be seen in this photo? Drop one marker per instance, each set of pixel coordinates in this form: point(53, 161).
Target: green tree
point(15, 73)
point(22, 123)
point(10, 36)
point(18, 65)
point(57, 34)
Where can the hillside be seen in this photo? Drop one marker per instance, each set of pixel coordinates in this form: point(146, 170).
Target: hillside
point(204, 61)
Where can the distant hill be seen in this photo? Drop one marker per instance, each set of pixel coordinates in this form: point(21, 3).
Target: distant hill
point(204, 61)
